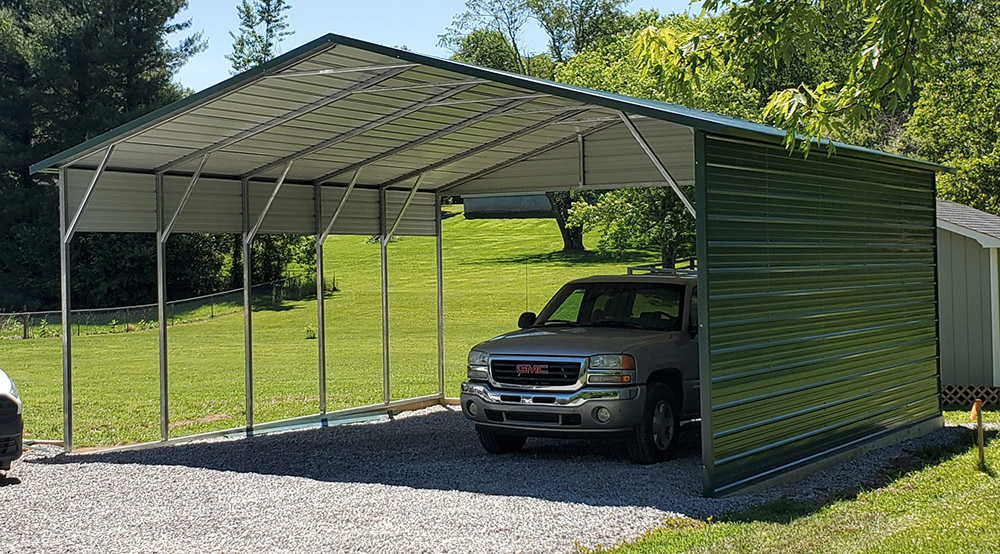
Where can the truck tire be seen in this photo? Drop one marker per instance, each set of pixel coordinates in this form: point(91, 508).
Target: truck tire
point(495, 443)
point(655, 439)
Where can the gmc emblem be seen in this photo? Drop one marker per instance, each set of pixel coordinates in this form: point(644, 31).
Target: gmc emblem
point(529, 369)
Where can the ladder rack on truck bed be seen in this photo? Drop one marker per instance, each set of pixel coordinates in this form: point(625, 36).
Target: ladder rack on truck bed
point(683, 267)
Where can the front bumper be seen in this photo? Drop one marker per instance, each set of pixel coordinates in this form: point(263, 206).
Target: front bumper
point(10, 441)
point(543, 413)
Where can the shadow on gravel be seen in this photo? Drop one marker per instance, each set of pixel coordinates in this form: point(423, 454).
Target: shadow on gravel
point(440, 451)
point(9, 481)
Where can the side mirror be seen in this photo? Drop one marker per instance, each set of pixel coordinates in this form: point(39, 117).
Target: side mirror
point(693, 319)
point(526, 320)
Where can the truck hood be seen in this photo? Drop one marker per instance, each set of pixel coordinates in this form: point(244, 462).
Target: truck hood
point(572, 341)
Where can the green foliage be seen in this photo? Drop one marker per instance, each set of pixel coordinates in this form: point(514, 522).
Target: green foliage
point(649, 218)
point(639, 218)
point(487, 48)
point(68, 71)
point(883, 61)
point(263, 26)
point(956, 120)
point(575, 25)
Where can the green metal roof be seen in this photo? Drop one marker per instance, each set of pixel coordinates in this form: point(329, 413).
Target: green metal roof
point(697, 119)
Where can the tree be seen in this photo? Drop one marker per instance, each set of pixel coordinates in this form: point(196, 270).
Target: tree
point(649, 218)
point(575, 25)
point(488, 33)
point(263, 26)
point(883, 60)
point(956, 120)
point(69, 71)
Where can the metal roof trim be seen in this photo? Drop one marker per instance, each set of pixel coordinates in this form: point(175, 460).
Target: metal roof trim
point(696, 119)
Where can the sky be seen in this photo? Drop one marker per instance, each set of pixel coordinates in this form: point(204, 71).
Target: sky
point(414, 24)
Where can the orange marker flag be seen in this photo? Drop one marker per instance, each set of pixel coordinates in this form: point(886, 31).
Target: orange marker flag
point(977, 406)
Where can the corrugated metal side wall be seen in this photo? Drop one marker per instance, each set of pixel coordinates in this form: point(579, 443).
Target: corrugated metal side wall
point(967, 339)
point(821, 314)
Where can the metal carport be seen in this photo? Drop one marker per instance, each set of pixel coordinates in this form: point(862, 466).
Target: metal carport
point(817, 278)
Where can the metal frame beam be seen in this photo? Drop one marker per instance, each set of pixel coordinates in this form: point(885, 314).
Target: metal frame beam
point(656, 162)
point(284, 118)
point(439, 278)
point(64, 284)
point(484, 147)
point(161, 306)
point(336, 139)
point(70, 228)
point(340, 207)
point(320, 307)
point(184, 199)
point(402, 211)
point(270, 201)
point(426, 138)
point(247, 309)
point(384, 270)
point(339, 70)
point(521, 157)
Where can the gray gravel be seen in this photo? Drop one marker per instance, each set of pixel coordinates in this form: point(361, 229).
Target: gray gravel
point(419, 483)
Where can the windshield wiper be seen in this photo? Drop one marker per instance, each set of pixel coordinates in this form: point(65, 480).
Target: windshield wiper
point(613, 323)
point(556, 322)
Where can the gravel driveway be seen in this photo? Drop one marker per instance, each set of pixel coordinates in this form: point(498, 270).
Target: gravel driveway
point(419, 483)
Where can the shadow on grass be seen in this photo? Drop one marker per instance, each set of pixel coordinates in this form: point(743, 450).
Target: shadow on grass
point(785, 510)
point(575, 257)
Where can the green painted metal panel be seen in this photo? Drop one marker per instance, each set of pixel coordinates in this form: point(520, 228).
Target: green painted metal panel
point(819, 308)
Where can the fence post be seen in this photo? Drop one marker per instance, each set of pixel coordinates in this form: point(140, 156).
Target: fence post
point(24, 321)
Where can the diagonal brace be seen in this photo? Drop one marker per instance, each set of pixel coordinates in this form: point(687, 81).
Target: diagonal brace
point(71, 230)
point(656, 161)
point(402, 211)
point(184, 199)
point(267, 206)
point(340, 207)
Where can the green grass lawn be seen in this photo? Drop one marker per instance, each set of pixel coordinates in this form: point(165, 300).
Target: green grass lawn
point(494, 270)
point(943, 505)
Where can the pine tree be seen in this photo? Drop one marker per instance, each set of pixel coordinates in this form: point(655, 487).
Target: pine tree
point(263, 26)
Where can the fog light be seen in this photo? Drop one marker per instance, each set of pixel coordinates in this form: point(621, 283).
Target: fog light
point(472, 409)
point(602, 414)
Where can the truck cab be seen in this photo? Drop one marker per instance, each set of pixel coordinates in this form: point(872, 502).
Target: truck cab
point(607, 356)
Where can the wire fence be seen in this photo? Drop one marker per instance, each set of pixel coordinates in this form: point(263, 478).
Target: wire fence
point(126, 319)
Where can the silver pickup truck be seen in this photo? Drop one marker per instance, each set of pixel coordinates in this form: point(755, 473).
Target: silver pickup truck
point(609, 355)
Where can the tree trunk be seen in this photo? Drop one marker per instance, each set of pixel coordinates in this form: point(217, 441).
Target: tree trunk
point(667, 258)
point(572, 236)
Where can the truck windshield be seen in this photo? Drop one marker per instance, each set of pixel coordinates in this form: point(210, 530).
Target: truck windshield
point(651, 306)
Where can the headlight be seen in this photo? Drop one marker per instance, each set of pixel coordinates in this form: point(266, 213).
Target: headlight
point(612, 361)
point(7, 385)
point(479, 358)
point(479, 363)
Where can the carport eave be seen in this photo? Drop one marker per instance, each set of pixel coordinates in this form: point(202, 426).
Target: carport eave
point(86, 148)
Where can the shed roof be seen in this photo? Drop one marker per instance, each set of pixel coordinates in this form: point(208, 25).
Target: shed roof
point(970, 222)
point(332, 102)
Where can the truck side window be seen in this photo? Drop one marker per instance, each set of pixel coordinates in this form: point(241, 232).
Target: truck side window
point(569, 310)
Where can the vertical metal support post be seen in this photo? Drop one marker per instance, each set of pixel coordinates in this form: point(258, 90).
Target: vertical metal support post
point(320, 308)
point(581, 154)
point(64, 283)
point(247, 307)
point(383, 230)
point(440, 292)
point(161, 306)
